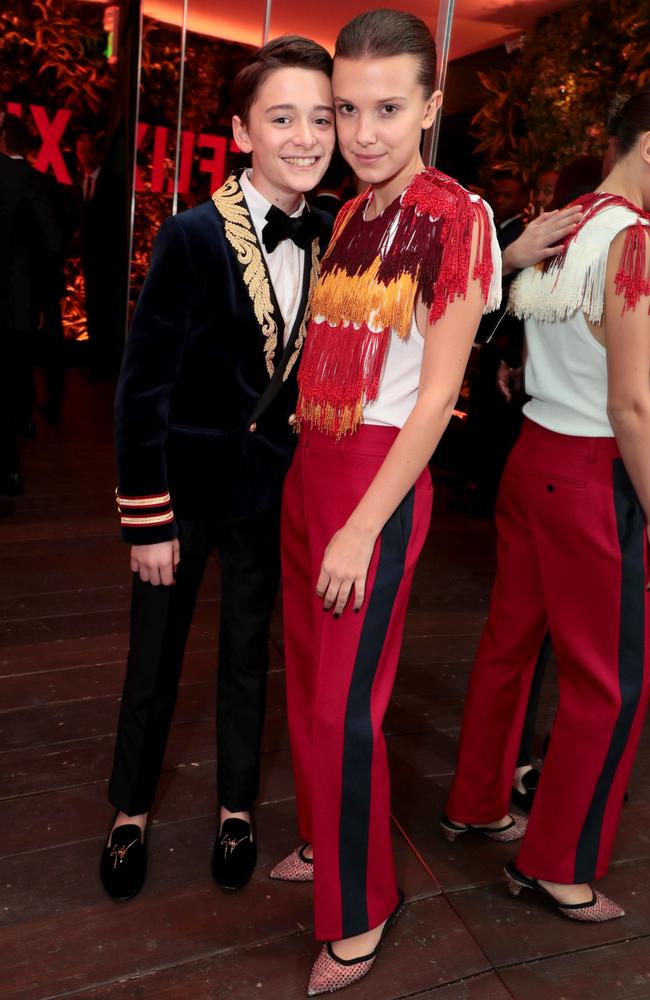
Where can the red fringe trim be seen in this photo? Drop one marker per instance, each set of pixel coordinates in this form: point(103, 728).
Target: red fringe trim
point(591, 204)
point(426, 235)
point(633, 278)
point(340, 370)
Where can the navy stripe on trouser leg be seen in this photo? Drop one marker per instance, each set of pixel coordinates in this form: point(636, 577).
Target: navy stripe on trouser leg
point(358, 735)
point(631, 653)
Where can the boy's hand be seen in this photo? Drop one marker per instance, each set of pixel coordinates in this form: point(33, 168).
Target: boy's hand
point(156, 564)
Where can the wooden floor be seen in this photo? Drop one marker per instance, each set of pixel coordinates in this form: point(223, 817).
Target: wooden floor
point(64, 599)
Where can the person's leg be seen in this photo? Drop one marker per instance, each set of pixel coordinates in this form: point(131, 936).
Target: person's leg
point(10, 478)
point(593, 542)
point(250, 570)
point(20, 385)
point(160, 623)
point(501, 677)
point(525, 755)
point(355, 887)
point(526, 777)
point(53, 361)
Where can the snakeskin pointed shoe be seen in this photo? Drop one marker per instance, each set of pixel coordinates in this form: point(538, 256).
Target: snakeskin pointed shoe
point(596, 911)
point(295, 867)
point(330, 973)
point(514, 830)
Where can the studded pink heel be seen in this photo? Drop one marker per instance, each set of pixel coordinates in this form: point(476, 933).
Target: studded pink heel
point(295, 867)
point(599, 909)
point(514, 830)
point(331, 973)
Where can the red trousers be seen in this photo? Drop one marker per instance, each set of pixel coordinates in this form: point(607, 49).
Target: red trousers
point(572, 555)
point(340, 674)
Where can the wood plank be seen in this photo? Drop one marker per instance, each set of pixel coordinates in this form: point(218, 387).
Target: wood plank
point(429, 946)
point(619, 970)
point(513, 931)
point(65, 878)
point(99, 680)
point(487, 986)
point(81, 812)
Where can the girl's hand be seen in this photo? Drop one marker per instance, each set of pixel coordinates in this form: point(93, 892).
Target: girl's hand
point(345, 565)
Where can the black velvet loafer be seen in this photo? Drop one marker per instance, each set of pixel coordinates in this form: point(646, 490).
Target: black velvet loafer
point(235, 855)
point(123, 864)
point(524, 800)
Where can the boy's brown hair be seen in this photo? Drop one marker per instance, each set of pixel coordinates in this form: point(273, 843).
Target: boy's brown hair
point(288, 51)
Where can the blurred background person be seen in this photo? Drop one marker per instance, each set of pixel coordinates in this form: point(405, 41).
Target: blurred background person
point(29, 247)
point(545, 190)
point(581, 176)
point(100, 204)
point(493, 425)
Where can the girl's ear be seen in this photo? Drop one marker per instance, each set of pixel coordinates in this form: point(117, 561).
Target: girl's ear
point(645, 146)
point(432, 108)
point(240, 135)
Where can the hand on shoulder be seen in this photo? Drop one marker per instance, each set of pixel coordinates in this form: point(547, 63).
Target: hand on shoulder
point(542, 238)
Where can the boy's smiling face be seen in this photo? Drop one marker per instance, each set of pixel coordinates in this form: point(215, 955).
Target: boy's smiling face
point(289, 132)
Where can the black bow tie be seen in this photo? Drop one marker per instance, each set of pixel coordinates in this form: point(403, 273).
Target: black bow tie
point(280, 226)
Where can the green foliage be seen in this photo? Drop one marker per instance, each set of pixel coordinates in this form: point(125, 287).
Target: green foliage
point(550, 107)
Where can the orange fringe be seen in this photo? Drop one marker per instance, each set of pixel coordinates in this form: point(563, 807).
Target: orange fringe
point(341, 298)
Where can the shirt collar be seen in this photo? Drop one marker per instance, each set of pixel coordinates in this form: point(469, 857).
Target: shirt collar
point(258, 205)
point(506, 222)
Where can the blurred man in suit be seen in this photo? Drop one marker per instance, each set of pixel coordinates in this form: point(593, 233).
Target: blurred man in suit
point(101, 204)
point(29, 246)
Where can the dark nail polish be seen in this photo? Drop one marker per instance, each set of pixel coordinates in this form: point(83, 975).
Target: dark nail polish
point(337, 614)
point(357, 610)
point(325, 609)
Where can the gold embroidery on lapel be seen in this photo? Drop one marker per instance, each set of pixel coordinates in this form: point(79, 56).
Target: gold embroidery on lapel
point(229, 200)
point(313, 280)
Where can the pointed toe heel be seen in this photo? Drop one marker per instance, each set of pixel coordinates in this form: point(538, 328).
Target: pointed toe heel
point(331, 973)
point(514, 830)
point(295, 867)
point(596, 911)
point(514, 887)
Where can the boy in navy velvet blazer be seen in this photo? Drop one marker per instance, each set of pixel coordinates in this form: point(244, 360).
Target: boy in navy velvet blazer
point(204, 431)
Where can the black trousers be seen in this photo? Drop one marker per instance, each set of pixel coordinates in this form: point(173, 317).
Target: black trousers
point(160, 622)
point(525, 755)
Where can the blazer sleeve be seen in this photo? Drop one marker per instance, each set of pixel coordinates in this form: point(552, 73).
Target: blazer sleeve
point(152, 361)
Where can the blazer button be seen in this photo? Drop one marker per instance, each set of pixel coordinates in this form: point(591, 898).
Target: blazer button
point(253, 427)
point(292, 419)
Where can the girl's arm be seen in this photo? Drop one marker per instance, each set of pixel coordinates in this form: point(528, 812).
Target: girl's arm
point(446, 350)
point(627, 338)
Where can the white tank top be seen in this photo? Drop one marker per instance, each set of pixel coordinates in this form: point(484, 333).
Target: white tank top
point(400, 381)
point(566, 377)
point(566, 367)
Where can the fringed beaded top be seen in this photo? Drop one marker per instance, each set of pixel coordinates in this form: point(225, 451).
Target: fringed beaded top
point(574, 280)
point(371, 278)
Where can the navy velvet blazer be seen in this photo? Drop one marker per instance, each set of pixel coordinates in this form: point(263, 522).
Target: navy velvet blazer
point(205, 400)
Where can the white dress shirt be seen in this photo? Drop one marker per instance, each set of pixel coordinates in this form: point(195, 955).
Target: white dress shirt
point(285, 263)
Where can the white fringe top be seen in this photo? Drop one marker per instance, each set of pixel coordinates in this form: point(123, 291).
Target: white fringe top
point(566, 367)
point(576, 283)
